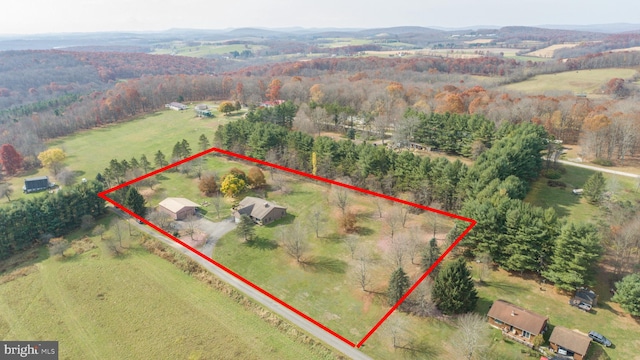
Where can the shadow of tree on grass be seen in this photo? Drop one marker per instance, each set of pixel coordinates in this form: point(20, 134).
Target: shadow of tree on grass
point(262, 243)
point(324, 264)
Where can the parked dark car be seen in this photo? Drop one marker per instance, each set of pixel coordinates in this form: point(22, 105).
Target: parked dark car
point(597, 337)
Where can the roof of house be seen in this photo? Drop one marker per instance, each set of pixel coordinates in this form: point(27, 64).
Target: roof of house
point(202, 107)
point(37, 178)
point(586, 296)
point(256, 207)
point(517, 317)
point(570, 340)
point(177, 204)
point(177, 104)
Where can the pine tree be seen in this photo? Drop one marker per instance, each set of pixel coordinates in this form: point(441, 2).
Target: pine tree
point(245, 228)
point(145, 164)
point(429, 256)
point(576, 251)
point(160, 160)
point(135, 202)
point(453, 290)
point(398, 285)
point(186, 149)
point(203, 143)
point(594, 188)
point(628, 294)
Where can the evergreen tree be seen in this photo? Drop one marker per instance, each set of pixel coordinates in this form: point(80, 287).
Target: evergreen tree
point(594, 188)
point(453, 290)
point(398, 285)
point(145, 164)
point(628, 294)
point(135, 202)
point(429, 256)
point(245, 228)
point(160, 160)
point(575, 254)
point(186, 149)
point(134, 164)
point(203, 143)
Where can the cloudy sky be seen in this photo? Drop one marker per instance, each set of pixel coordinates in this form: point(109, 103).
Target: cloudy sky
point(53, 16)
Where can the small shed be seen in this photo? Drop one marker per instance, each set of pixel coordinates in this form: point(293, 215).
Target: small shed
point(570, 343)
point(176, 106)
point(202, 110)
point(178, 208)
point(36, 184)
point(584, 299)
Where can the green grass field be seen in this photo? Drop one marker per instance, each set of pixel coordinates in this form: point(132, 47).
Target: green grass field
point(583, 81)
point(206, 50)
point(135, 307)
point(89, 152)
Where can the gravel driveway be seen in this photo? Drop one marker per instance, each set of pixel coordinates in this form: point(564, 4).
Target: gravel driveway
point(214, 230)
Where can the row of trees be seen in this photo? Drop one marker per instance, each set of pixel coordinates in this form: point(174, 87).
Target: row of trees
point(28, 222)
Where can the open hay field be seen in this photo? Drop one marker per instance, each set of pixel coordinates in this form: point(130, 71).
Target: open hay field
point(89, 152)
point(550, 50)
point(583, 81)
point(138, 306)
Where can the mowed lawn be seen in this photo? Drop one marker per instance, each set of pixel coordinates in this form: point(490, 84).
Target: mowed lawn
point(136, 307)
point(89, 152)
point(582, 81)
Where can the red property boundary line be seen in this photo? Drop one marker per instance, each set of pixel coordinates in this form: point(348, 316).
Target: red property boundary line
point(471, 222)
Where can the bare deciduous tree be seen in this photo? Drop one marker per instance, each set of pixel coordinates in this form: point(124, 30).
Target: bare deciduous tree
point(191, 225)
point(351, 241)
point(413, 245)
point(99, 230)
point(342, 199)
point(393, 220)
point(294, 242)
point(398, 250)
point(160, 219)
point(216, 201)
point(471, 339)
point(420, 301)
point(362, 274)
point(317, 219)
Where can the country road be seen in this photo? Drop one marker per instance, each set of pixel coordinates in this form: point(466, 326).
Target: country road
point(267, 302)
point(595, 168)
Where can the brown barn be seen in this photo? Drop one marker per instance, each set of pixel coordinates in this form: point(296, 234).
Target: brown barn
point(178, 208)
point(516, 323)
point(569, 342)
point(261, 211)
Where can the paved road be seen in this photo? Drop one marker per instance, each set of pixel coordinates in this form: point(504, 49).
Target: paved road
point(267, 302)
point(214, 231)
point(595, 168)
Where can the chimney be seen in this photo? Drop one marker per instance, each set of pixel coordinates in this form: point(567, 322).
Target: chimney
point(266, 204)
point(513, 313)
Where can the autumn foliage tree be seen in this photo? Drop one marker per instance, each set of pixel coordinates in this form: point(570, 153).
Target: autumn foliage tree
point(10, 158)
point(226, 107)
point(52, 159)
point(273, 91)
point(256, 177)
point(208, 185)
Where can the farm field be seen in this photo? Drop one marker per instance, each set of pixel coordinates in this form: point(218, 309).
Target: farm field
point(205, 49)
point(583, 81)
point(89, 152)
point(138, 306)
point(549, 50)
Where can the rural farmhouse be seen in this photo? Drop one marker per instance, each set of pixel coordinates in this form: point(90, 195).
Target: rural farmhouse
point(516, 323)
point(261, 211)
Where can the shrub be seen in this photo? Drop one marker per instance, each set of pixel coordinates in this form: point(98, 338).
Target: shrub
point(603, 162)
point(551, 173)
point(554, 183)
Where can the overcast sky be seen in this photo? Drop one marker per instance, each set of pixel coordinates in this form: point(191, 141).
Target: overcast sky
point(53, 16)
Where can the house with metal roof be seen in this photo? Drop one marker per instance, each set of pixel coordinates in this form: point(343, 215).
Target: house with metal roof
point(178, 208)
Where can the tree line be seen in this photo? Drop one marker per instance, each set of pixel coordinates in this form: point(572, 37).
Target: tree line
point(27, 222)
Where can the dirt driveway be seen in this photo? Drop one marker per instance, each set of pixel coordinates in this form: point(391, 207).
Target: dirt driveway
point(214, 231)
